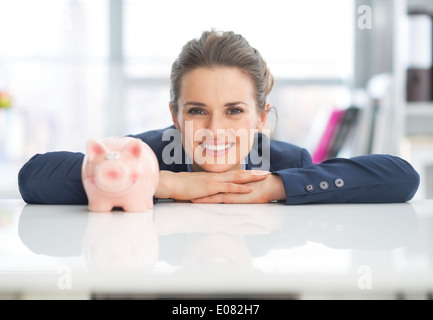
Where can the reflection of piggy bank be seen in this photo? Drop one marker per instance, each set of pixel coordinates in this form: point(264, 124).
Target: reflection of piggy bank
point(121, 243)
point(120, 172)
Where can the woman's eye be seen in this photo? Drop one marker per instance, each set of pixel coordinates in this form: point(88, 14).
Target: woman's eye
point(196, 111)
point(235, 111)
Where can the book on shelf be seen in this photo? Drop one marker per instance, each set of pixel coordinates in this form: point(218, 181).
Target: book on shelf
point(338, 131)
point(343, 131)
point(419, 73)
point(419, 84)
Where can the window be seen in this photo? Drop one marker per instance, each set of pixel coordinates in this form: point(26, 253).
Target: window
point(53, 64)
point(307, 45)
point(298, 39)
point(56, 62)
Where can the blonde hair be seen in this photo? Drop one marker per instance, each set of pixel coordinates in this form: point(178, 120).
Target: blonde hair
point(225, 49)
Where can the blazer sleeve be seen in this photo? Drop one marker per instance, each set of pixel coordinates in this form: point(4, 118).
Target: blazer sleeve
point(53, 178)
point(365, 179)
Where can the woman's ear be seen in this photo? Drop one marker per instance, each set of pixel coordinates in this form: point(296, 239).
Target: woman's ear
point(174, 116)
point(263, 117)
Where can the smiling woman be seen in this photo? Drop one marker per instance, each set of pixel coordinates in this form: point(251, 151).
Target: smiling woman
point(227, 106)
point(219, 84)
point(219, 88)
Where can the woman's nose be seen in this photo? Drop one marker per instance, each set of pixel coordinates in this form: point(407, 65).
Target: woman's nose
point(216, 124)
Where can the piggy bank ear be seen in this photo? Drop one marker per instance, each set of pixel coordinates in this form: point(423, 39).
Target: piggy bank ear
point(94, 148)
point(133, 148)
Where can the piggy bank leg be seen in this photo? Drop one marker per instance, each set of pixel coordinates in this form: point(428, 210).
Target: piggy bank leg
point(100, 206)
point(150, 203)
point(138, 206)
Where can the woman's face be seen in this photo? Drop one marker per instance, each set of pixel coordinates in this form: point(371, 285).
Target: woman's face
point(217, 116)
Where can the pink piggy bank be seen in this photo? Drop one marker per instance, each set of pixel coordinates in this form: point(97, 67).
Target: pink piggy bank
point(120, 172)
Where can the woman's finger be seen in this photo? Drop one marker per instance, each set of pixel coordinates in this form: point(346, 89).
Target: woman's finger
point(216, 198)
point(225, 198)
point(244, 176)
point(233, 188)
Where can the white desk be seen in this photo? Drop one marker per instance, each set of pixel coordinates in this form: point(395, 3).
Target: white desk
point(183, 250)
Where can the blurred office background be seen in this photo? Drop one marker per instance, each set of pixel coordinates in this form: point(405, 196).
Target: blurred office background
point(71, 70)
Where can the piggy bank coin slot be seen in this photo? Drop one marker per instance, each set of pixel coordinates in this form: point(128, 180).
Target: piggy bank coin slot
point(112, 156)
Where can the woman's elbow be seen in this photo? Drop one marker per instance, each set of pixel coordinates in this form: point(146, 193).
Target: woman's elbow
point(409, 181)
point(413, 182)
point(24, 182)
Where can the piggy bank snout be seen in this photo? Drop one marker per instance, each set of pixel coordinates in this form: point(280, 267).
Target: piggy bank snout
point(111, 172)
point(111, 176)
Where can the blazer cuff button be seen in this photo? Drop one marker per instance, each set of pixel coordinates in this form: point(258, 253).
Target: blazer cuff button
point(309, 187)
point(323, 185)
point(339, 183)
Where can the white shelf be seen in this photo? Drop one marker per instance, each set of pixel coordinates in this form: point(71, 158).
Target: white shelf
point(418, 116)
point(419, 108)
point(419, 119)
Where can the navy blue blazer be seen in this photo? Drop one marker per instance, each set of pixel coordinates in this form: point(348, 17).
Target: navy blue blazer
point(55, 177)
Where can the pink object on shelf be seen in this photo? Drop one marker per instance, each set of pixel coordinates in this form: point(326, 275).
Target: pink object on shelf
point(321, 152)
point(120, 172)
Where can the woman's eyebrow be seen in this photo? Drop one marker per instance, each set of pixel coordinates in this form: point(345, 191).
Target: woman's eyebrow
point(235, 103)
point(201, 104)
point(194, 103)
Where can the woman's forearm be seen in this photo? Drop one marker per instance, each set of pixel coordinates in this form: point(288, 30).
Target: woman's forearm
point(166, 179)
point(193, 185)
point(53, 178)
point(363, 179)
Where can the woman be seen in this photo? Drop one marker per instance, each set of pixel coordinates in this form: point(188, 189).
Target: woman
point(219, 87)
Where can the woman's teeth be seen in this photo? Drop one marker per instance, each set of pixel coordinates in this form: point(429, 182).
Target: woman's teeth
point(213, 147)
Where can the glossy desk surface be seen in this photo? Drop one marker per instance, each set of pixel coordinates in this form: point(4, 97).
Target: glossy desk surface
point(220, 250)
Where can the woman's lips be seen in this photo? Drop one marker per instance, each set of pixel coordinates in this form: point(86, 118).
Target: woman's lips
point(216, 149)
